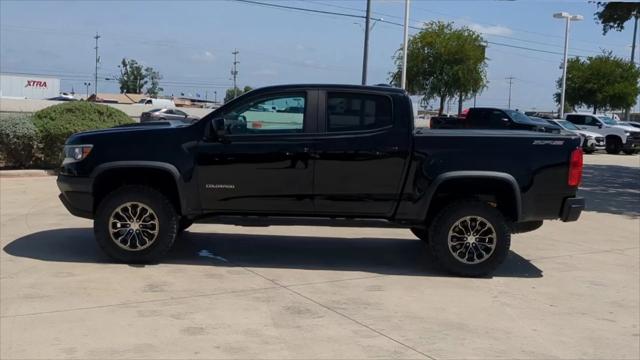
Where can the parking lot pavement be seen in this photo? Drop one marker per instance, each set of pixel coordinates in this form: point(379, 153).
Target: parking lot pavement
point(568, 290)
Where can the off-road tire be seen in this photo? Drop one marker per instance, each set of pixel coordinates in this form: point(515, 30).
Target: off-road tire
point(444, 222)
point(421, 233)
point(613, 146)
point(184, 224)
point(167, 218)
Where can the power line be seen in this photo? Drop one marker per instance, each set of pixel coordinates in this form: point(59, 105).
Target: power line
point(308, 10)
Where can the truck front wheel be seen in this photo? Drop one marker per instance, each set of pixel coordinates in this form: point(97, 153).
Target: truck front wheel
point(469, 238)
point(136, 224)
point(613, 145)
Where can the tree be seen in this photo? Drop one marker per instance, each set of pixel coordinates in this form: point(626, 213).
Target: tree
point(232, 94)
point(443, 62)
point(602, 82)
point(132, 77)
point(154, 78)
point(613, 15)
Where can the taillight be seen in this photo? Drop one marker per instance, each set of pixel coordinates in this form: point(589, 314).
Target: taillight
point(575, 168)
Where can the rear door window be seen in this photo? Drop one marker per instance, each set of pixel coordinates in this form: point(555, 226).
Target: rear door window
point(353, 112)
point(576, 119)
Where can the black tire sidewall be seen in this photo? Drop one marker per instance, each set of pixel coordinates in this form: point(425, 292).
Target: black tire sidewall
point(439, 232)
point(613, 147)
point(420, 233)
point(167, 218)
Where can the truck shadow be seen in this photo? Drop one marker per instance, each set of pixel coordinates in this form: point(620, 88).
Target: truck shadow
point(373, 255)
point(611, 189)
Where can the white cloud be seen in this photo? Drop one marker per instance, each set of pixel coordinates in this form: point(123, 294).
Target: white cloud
point(490, 29)
point(205, 56)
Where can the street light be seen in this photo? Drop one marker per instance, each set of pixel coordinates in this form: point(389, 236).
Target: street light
point(568, 18)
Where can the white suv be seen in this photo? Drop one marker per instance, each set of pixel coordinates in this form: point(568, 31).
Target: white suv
point(617, 137)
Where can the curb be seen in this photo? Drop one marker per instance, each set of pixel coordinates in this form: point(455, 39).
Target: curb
point(26, 173)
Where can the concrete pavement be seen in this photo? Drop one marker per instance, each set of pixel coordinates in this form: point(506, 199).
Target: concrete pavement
point(568, 290)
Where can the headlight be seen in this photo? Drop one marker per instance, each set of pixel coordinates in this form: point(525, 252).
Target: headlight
point(627, 134)
point(590, 137)
point(75, 153)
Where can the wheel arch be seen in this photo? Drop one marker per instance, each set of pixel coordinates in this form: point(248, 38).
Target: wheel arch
point(162, 176)
point(455, 185)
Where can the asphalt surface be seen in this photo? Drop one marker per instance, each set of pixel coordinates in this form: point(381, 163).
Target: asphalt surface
point(567, 290)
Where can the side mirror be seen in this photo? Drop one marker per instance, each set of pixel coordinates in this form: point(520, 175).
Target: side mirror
point(505, 119)
point(216, 130)
point(218, 127)
point(599, 125)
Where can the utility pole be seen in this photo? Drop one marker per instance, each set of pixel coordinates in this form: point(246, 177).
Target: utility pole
point(633, 56)
point(95, 83)
point(510, 78)
point(403, 77)
point(234, 72)
point(215, 96)
point(365, 57)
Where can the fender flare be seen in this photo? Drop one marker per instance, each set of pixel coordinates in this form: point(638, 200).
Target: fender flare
point(171, 169)
point(465, 174)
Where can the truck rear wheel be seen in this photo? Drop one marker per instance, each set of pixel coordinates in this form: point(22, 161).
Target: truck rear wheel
point(469, 238)
point(136, 224)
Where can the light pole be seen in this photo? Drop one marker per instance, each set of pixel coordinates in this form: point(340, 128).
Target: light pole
point(87, 84)
point(365, 57)
point(403, 75)
point(568, 18)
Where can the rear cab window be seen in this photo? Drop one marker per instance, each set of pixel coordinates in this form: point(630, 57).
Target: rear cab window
point(357, 111)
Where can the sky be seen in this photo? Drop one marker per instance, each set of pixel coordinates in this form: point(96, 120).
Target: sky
point(191, 42)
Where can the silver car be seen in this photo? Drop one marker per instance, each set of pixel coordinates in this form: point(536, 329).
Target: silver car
point(167, 114)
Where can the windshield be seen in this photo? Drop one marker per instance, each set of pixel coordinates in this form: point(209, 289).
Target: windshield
point(607, 120)
point(518, 116)
point(567, 125)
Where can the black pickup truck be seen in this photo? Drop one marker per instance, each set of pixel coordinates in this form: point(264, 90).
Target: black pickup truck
point(321, 154)
point(493, 118)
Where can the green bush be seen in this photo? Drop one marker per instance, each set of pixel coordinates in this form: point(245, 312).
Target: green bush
point(18, 141)
point(56, 123)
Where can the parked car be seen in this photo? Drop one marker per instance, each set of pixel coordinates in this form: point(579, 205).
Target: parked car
point(167, 114)
point(492, 118)
point(352, 157)
point(590, 141)
point(634, 124)
point(166, 103)
point(617, 137)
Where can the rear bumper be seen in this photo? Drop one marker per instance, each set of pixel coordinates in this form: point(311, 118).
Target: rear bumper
point(572, 208)
point(76, 195)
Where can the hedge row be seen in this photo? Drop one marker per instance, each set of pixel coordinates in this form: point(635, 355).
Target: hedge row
point(37, 140)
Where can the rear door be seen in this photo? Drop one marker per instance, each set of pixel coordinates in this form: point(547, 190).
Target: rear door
point(360, 155)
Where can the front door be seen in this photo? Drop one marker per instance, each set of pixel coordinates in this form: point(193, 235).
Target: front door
point(263, 165)
point(361, 155)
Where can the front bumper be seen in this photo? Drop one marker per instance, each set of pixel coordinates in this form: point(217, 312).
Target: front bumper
point(76, 195)
point(632, 143)
point(572, 208)
point(594, 144)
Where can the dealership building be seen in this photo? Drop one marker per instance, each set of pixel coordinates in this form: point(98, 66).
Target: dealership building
point(28, 86)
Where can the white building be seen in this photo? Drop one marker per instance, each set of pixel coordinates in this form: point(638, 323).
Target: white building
point(29, 86)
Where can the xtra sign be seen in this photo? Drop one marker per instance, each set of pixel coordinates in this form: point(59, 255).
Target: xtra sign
point(37, 84)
